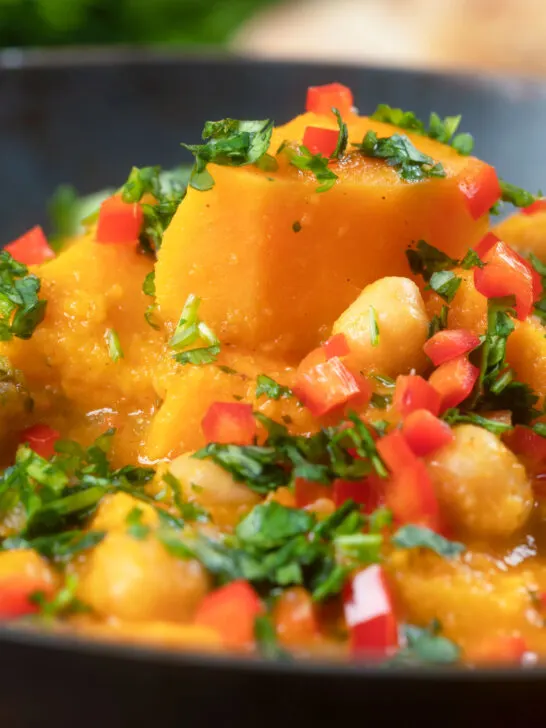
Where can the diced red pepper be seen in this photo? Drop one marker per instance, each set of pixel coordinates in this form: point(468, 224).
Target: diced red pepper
point(15, 593)
point(506, 274)
point(480, 186)
point(369, 613)
point(449, 344)
point(425, 433)
point(395, 451)
point(307, 492)
point(231, 611)
point(524, 441)
point(336, 346)
point(41, 439)
point(119, 222)
point(486, 243)
point(321, 99)
point(368, 492)
point(295, 619)
point(323, 385)
point(229, 423)
point(31, 248)
point(534, 207)
point(412, 392)
point(410, 496)
point(320, 141)
point(454, 380)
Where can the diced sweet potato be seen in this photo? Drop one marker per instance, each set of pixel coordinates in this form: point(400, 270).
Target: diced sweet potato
point(526, 353)
point(525, 233)
point(267, 282)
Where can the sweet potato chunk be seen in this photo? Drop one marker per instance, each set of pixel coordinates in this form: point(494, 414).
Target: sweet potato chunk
point(276, 263)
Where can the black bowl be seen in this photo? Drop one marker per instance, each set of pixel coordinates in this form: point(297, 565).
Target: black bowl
point(85, 119)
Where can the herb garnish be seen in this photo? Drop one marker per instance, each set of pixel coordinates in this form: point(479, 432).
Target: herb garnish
point(232, 143)
point(271, 388)
point(442, 130)
point(303, 159)
point(411, 536)
point(425, 260)
point(445, 283)
point(168, 190)
point(374, 327)
point(399, 153)
point(343, 138)
point(266, 640)
point(65, 602)
point(189, 330)
point(20, 308)
point(148, 289)
point(114, 347)
point(425, 646)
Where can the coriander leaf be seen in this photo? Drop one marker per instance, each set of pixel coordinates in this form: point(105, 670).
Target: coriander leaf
point(380, 401)
point(384, 380)
point(189, 330)
point(20, 308)
point(114, 347)
point(228, 142)
point(266, 639)
point(425, 260)
point(463, 144)
point(61, 547)
point(410, 536)
point(399, 153)
point(64, 603)
point(454, 416)
point(271, 388)
point(256, 465)
point(374, 327)
point(446, 284)
point(402, 119)
point(67, 213)
point(516, 195)
point(343, 138)
point(148, 287)
point(424, 646)
point(359, 549)
point(438, 323)
point(304, 160)
point(201, 355)
point(135, 527)
point(471, 260)
point(269, 525)
point(540, 428)
point(378, 520)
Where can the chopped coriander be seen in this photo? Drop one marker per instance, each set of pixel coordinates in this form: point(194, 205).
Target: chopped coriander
point(296, 226)
point(20, 308)
point(539, 308)
point(303, 159)
point(425, 646)
point(425, 260)
point(167, 188)
point(374, 327)
point(191, 329)
point(399, 153)
point(266, 639)
point(380, 401)
point(438, 323)
point(540, 428)
point(63, 603)
point(148, 288)
point(135, 527)
point(60, 547)
point(454, 416)
point(410, 537)
point(232, 143)
point(114, 347)
point(227, 370)
point(445, 283)
point(443, 130)
point(271, 388)
point(384, 380)
point(343, 138)
point(516, 196)
point(471, 260)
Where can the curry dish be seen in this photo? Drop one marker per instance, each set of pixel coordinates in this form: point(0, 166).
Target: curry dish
point(290, 405)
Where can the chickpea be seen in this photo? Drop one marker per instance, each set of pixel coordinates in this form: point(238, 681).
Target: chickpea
point(481, 485)
point(139, 580)
point(403, 327)
point(26, 564)
point(211, 486)
point(114, 509)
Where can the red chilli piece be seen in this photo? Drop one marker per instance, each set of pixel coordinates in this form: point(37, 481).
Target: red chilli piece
point(535, 207)
point(412, 393)
point(505, 273)
point(369, 614)
point(307, 492)
point(320, 141)
point(425, 433)
point(368, 493)
point(41, 439)
point(395, 451)
point(321, 99)
point(336, 346)
point(31, 248)
point(454, 380)
point(527, 443)
point(229, 423)
point(231, 611)
point(325, 384)
point(119, 222)
point(480, 187)
point(449, 344)
point(15, 593)
point(486, 243)
point(411, 497)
